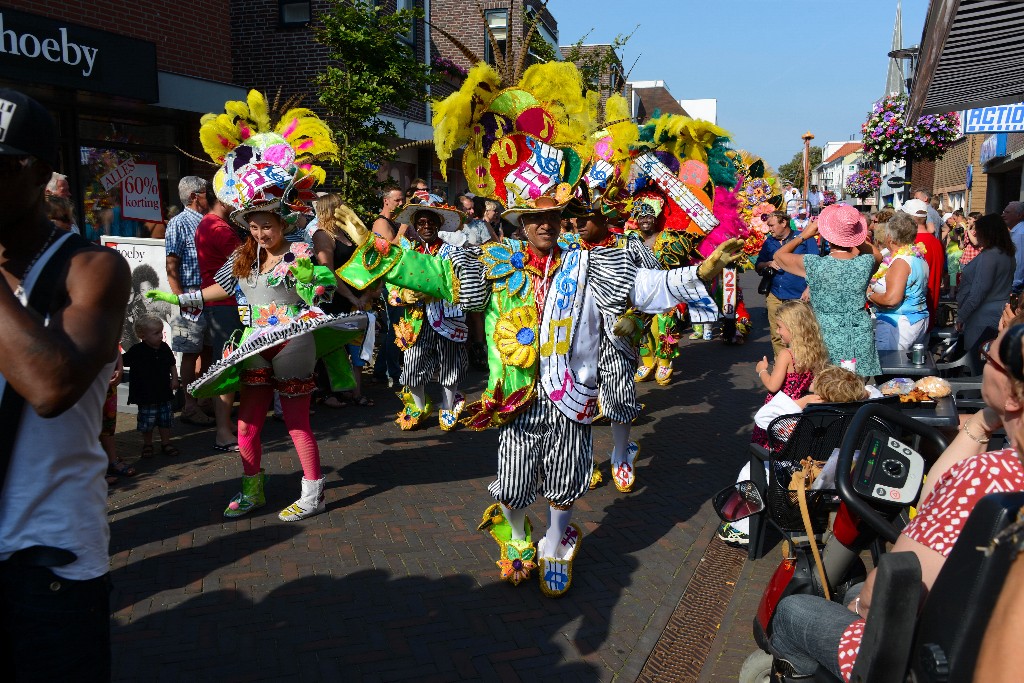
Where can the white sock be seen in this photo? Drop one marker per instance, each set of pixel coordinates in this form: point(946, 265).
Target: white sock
point(559, 520)
point(620, 436)
point(419, 395)
point(449, 397)
point(516, 520)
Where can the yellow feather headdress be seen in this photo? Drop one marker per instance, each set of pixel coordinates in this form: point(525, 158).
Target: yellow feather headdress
point(265, 167)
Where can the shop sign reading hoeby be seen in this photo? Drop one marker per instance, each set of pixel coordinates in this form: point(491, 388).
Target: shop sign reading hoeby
point(40, 50)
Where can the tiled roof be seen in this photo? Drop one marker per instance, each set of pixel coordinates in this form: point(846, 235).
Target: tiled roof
point(848, 148)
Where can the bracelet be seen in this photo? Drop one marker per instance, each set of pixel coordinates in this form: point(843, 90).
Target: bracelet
point(966, 430)
point(856, 605)
point(760, 371)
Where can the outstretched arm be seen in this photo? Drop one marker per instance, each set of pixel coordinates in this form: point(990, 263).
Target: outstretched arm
point(53, 365)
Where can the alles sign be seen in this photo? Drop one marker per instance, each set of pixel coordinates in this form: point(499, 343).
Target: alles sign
point(41, 50)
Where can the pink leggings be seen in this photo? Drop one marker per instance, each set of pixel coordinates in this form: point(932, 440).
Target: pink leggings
point(252, 412)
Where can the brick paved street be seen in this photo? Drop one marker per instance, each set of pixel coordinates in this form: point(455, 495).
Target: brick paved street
point(394, 582)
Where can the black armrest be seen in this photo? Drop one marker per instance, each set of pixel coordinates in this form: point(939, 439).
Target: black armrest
point(760, 452)
point(889, 632)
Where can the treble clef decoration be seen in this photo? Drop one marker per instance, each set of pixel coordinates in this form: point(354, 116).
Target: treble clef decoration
point(565, 283)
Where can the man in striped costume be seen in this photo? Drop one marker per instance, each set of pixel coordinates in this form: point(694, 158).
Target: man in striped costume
point(432, 333)
point(547, 312)
point(619, 355)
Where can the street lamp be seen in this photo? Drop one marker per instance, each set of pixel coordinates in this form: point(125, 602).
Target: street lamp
point(911, 54)
point(807, 137)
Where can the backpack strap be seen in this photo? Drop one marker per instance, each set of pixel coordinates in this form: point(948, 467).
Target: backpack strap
point(47, 294)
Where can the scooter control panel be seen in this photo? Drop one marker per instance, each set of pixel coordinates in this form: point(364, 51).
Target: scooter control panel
point(888, 470)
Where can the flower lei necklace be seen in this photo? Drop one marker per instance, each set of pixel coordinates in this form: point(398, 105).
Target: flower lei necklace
point(917, 250)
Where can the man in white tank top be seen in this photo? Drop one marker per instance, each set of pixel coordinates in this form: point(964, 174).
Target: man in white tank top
point(54, 593)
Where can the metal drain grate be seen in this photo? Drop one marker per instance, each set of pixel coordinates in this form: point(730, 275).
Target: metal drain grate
point(686, 641)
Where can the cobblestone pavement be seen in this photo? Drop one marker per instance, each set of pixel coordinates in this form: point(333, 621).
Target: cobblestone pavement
point(394, 582)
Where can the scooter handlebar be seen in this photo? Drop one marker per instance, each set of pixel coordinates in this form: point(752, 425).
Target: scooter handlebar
point(851, 442)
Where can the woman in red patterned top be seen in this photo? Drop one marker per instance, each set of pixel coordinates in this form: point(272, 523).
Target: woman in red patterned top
point(809, 630)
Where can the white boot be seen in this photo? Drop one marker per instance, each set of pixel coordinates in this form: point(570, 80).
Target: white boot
point(310, 503)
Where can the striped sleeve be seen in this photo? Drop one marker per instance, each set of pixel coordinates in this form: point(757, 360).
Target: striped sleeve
point(641, 254)
point(610, 278)
point(225, 278)
point(655, 291)
point(474, 290)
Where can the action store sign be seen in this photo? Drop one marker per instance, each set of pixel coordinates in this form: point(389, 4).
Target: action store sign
point(1007, 118)
point(40, 50)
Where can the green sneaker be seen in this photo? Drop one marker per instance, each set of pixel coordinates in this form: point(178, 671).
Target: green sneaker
point(250, 498)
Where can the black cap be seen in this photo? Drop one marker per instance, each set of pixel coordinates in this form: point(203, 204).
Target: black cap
point(27, 129)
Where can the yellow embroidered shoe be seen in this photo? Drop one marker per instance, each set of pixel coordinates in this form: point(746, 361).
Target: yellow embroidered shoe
point(518, 557)
point(449, 418)
point(595, 477)
point(645, 369)
point(410, 417)
point(664, 373)
point(556, 573)
point(624, 474)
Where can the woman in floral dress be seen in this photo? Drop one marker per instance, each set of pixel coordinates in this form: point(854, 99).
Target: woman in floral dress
point(838, 285)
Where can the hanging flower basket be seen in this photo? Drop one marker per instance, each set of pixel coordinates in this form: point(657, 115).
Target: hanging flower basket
point(863, 183)
point(449, 70)
point(888, 138)
point(828, 198)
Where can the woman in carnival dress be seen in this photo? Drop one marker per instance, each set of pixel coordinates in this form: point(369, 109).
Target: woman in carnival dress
point(268, 182)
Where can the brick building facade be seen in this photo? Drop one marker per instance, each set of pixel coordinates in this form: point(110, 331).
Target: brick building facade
point(124, 80)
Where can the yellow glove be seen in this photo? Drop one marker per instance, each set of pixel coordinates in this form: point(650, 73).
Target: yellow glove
point(625, 327)
point(410, 297)
point(726, 254)
point(346, 219)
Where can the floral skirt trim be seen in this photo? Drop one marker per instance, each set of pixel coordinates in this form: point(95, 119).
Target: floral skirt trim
point(295, 386)
point(258, 340)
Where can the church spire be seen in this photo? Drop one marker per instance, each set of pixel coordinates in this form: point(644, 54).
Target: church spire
point(895, 80)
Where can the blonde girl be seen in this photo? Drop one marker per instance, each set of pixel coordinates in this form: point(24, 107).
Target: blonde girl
point(796, 365)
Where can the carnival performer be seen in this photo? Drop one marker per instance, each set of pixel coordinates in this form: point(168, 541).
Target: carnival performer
point(432, 333)
point(617, 400)
point(267, 177)
point(658, 345)
point(545, 315)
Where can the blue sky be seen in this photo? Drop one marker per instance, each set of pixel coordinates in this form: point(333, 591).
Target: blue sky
point(778, 68)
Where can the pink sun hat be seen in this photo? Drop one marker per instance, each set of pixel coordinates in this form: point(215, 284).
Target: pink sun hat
point(842, 225)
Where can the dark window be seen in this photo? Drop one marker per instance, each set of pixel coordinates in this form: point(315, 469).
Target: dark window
point(295, 13)
point(497, 20)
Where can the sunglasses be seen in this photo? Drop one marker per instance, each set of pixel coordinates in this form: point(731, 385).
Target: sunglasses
point(986, 357)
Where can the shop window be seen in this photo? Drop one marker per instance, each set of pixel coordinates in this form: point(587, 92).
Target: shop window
point(106, 146)
point(294, 14)
point(497, 21)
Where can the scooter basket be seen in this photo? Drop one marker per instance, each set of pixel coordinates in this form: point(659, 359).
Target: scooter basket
point(815, 433)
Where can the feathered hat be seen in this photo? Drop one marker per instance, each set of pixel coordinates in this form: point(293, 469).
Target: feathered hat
point(451, 218)
point(265, 167)
point(603, 187)
point(526, 133)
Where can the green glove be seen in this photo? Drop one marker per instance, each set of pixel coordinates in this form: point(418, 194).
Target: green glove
point(302, 269)
point(167, 297)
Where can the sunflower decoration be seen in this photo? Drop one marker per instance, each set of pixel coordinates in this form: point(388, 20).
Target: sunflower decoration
point(515, 335)
point(517, 561)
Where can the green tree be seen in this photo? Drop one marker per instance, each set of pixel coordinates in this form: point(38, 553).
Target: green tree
point(370, 67)
point(793, 170)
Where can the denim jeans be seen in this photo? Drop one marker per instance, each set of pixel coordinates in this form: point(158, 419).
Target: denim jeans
point(807, 629)
point(53, 629)
point(389, 357)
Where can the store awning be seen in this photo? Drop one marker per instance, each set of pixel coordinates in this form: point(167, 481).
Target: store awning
point(972, 56)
